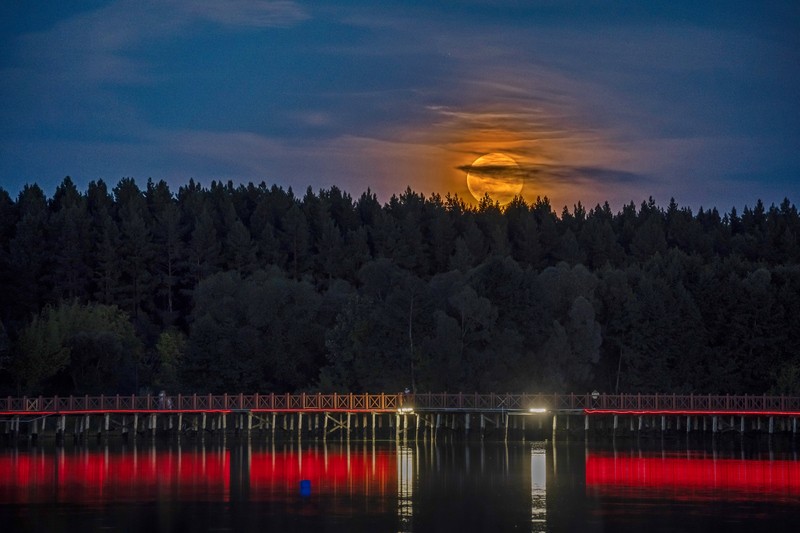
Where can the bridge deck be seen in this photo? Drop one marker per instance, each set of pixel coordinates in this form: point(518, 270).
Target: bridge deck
point(600, 404)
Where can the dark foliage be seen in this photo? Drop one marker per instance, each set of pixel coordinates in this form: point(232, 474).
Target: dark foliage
point(252, 288)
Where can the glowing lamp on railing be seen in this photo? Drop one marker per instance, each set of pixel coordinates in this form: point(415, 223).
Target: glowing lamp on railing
point(405, 410)
point(537, 410)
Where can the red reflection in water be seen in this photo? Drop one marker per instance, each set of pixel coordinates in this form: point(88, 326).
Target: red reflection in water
point(91, 477)
point(366, 473)
point(692, 478)
point(97, 476)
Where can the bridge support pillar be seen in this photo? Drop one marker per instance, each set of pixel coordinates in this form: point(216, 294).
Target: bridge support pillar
point(555, 425)
point(299, 425)
point(586, 423)
point(714, 424)
point(771, 425)
point(61, 428)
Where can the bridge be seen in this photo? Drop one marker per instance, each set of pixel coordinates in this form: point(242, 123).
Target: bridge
point(402, 414)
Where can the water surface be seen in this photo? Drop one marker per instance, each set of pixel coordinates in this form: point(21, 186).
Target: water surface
point(387, 486)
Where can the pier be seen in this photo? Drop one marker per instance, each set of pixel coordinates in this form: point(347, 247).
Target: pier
point(396, 415)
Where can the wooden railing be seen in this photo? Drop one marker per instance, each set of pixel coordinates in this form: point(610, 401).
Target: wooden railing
point(393, 402)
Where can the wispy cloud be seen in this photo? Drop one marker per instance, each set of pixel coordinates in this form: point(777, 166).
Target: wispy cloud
point(549, 175)
point(100, 45)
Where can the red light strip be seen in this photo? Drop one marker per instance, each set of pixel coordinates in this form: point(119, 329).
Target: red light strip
point(687, 412)
point(187, 411)
point(115, 411)
point(229, 411)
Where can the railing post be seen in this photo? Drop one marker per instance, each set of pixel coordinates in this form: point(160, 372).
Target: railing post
point(272, 400)
point(194, 401)
point(302, 400)
point(241, 400)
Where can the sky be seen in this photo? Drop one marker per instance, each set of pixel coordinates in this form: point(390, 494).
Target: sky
point(594, 100)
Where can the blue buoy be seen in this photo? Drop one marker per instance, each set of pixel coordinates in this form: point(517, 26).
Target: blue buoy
point(305, 487)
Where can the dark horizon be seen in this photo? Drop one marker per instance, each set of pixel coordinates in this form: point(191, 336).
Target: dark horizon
point(249, 288)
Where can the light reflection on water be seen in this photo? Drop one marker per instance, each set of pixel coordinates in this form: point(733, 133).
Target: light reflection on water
point(404, 487)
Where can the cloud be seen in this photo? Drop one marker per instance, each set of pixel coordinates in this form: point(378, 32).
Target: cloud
point(543, 175)
point(99, 46)
point(254, 13)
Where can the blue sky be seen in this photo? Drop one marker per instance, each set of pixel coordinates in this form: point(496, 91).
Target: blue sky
point(596, 101)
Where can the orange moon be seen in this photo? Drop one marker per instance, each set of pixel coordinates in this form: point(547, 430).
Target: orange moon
point(497, 175)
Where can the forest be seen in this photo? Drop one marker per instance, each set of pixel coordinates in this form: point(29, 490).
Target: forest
point(252, 288)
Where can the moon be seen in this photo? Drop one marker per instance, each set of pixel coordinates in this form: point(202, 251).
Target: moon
point(497, 175)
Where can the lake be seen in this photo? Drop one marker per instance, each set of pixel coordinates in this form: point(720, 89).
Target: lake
point(217, 485)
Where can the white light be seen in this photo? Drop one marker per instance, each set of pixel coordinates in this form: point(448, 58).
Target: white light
point(405, 410)
point(537, 410)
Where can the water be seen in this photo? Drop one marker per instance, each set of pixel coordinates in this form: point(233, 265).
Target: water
point(235, 486)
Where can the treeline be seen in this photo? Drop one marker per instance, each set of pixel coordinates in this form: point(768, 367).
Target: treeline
point(252, 288)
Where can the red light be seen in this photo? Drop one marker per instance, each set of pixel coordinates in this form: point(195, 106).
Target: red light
point(692, 478)
point(96, 476)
